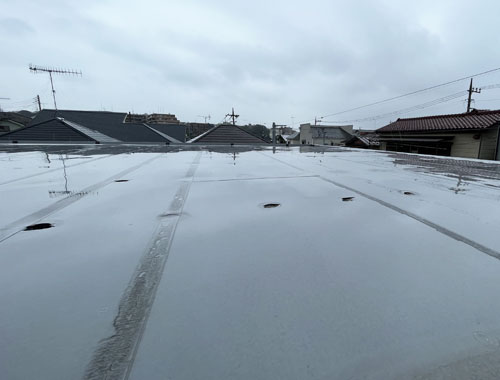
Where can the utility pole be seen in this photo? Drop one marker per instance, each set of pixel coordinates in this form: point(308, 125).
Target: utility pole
point(39, 69)
point(39, 103)
point(274, 131)
point(233, 116)
point(471, 90)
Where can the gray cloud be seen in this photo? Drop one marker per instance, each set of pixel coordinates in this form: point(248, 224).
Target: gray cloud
point(270, 60)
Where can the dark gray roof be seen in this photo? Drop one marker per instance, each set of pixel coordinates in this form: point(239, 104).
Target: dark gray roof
point(108, 123)
point(54, 130)
point(227, 134)
point(97, 136)
point(175, 131)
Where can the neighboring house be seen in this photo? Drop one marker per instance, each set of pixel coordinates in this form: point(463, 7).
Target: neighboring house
point(471, 135)
point(325, 134)
point(364, 140)
point(294, 138)
point(10, 121)
point(227, 134)
point(57, 126)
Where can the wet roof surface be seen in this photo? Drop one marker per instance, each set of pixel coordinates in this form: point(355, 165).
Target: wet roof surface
point(158, 262)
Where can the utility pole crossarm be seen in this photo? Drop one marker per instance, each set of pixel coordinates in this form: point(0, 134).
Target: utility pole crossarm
point(471, 90)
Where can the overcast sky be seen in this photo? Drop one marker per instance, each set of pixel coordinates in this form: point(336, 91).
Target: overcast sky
point(284, 61)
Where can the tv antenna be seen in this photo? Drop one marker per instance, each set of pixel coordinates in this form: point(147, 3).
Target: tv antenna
point(42, 69)
point(205, 118)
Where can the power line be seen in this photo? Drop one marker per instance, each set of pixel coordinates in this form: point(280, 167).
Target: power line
point(408, 94)
point(415, 92)
point(406, 110)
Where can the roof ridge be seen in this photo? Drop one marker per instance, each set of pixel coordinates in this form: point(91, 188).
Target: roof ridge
point(464, 114)
point(169, 138)
point(60, 110)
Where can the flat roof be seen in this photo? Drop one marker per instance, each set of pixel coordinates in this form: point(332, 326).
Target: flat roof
point(155, 262)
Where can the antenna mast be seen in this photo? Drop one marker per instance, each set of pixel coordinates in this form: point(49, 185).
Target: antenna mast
point(40, 69)
point(233, 116)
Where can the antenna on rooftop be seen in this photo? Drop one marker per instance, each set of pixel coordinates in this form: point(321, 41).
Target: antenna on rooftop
point(42, 69)
point(233, 116)
point(205, 118)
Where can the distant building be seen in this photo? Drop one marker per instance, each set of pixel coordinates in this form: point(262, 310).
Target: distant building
point(154, 118)
point(284, 131)
point(11, 121)
point(93, 127)
point(293, 138)
point(470, 135)
point(325, 134)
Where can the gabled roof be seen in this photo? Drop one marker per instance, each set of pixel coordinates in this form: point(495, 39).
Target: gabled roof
point(463, 121)
point(227, 134)
point(57, 130)
point(110, 124)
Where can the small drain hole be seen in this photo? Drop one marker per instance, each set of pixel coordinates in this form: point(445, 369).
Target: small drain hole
point(38, 226)
point(347, 199)
point(271, 205)
point(408, 193)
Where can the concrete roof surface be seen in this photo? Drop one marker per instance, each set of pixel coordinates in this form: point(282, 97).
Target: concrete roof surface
point(155, 262)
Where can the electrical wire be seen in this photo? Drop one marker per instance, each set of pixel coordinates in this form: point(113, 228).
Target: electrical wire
point(409, 94)
point(406, 110)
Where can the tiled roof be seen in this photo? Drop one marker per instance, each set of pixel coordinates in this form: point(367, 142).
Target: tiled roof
point(227, 134)
point(462, 121)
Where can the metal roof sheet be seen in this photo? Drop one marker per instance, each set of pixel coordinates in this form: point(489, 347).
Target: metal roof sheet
point(108, 123)
point(54, 130)
point(227, 134)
